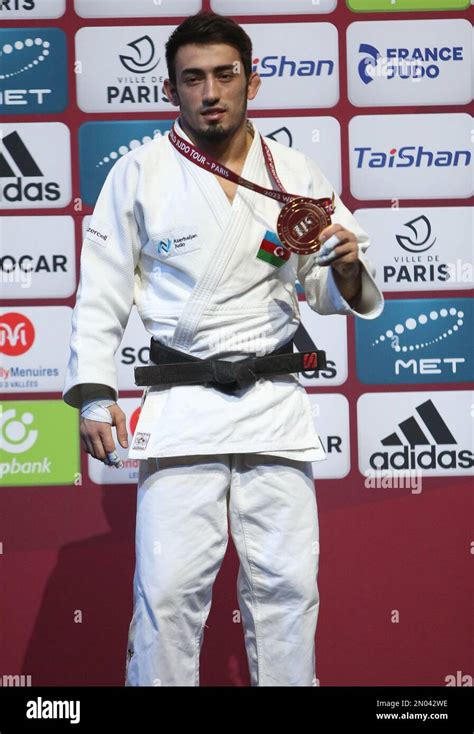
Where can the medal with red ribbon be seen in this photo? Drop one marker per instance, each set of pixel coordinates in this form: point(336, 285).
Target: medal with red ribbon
point(301, 219)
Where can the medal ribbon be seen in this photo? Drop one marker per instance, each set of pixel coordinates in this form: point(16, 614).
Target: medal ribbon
point(189, 151)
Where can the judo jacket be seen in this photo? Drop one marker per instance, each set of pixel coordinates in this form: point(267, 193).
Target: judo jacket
point(165, 237)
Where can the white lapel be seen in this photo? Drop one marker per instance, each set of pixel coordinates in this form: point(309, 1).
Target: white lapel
point(207, 183)
point(232, 220)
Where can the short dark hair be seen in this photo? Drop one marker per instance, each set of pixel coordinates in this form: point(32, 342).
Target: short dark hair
point(207, 27)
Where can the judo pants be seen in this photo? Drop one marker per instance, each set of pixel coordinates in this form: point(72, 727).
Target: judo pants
point(184, 505)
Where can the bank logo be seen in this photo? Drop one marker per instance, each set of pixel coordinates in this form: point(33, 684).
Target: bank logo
point(35, 169)
point(411, 156)
point(416, 431)
point(16, 436)
point(17, 334)
point(33, 77)
point(143, 59)
point(39, 443)
point(420, 240)
point(413, 341)
point(101, 144)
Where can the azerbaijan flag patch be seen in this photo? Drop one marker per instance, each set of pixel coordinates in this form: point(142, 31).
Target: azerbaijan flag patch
point(272, 251)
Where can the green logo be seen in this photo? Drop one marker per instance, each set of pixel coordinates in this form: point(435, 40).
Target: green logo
point(399, 5)
point(39, 443)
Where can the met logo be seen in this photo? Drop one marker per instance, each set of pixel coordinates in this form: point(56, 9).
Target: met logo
point(417, 341)
point(33, 78)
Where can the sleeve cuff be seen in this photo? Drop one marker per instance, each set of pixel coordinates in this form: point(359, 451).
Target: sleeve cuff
point(78, 394)
point(370, 301)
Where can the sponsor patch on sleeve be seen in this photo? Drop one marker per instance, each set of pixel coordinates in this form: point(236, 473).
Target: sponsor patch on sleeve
point(98, 232)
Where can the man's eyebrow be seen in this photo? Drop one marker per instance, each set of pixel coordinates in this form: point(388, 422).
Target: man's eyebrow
point(222, 67)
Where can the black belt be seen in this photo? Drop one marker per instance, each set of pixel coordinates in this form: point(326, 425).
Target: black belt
point(173, 367)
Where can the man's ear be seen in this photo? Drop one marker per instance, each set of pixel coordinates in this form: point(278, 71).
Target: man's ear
point(253, 85)
point(170, 92)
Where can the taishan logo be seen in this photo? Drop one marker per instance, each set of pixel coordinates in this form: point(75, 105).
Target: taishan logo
point(282, 66)
point(412, 156)
point(432, 432)
point(17, 334)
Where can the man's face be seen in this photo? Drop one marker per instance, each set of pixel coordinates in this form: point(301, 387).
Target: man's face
point(211, 90)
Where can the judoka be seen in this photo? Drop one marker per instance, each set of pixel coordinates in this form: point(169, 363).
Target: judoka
point(187, 246)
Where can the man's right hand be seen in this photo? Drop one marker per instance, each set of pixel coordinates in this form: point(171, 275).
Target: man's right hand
point(96, 436)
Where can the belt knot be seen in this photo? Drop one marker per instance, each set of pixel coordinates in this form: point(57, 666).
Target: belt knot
point(232, 374)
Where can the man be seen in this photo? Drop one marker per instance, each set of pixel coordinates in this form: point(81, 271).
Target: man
point(185, 246)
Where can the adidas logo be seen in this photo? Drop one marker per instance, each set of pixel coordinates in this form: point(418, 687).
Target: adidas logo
point(16, 160)
point(414, 434)
point(426, 428)
point(21, 156)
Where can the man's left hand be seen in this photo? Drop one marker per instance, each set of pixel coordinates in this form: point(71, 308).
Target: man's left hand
point(340, 250)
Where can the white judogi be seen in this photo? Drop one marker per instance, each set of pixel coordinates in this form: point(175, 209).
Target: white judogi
point(182, 536)
point(164, 235)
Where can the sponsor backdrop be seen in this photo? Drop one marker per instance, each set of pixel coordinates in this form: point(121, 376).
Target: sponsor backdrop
point(378, 93)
